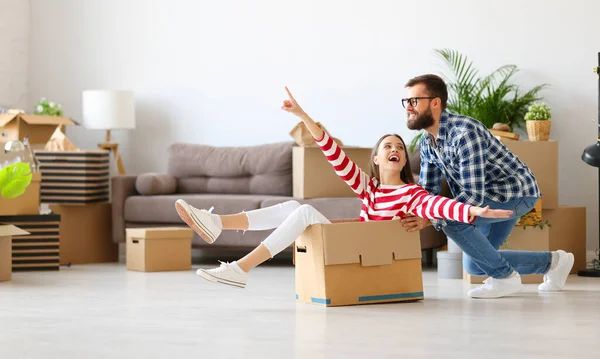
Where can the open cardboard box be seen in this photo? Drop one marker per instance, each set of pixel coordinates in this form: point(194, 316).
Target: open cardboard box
point(349, 262)
point(27, 203)
point(6, 234)
point(38, 128)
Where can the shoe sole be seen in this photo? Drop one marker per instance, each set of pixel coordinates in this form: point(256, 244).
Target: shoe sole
point(183, 214)
point(211, 278)
point(570, 264)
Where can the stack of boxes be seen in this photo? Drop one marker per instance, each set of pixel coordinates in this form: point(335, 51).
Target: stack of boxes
point(560, 226)
point(347, 262)
point(75, 185)
point(32, 241)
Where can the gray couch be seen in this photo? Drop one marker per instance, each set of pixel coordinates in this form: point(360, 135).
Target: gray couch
point(231, 180)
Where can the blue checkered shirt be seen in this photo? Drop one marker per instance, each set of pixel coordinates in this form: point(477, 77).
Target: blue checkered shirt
point(476, 165)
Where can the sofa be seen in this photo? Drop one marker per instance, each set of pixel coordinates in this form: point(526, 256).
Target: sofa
point(232, 180)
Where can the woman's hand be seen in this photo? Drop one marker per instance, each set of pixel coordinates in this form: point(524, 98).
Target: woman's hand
point(290, 105)
point(489, 213)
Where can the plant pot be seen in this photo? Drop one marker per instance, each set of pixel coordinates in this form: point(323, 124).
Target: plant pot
point(538, 130)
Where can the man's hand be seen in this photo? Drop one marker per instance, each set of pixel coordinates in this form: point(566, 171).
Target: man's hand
point(413, 223)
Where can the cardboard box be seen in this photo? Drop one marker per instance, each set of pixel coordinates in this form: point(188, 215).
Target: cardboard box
point(27, 203)
point(6, 233)
point(74, 177)
point(567, 232)
point(40, 250)
point(348, 263)
point(86, 233)
point(314, 177)
point(39, 128)
point(542, 159)
point(159, 249)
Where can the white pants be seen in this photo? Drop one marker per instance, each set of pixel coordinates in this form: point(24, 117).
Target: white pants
point(289, 219)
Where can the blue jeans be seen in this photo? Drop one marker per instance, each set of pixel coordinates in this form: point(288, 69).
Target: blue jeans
point(480, 242)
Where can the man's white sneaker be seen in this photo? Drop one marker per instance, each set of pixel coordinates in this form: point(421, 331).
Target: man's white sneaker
point(225, 274)
point(496, 288)
point(200, 220)
point(555, 279)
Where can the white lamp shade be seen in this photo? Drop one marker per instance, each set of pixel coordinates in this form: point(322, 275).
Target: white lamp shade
point(108, 110)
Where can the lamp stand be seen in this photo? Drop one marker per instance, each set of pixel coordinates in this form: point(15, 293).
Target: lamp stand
point(114, 148)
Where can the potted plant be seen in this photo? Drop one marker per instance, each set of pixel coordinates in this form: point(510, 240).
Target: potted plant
point(491, 99)
point(538, 122)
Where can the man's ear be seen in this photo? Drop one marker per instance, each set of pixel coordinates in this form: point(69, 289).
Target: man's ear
point(437, 102)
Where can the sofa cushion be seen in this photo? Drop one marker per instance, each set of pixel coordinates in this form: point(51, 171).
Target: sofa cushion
point(150, 184)
point(161, 209)
point(264, 169)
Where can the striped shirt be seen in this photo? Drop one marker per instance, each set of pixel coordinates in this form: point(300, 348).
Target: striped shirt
point(386, 202)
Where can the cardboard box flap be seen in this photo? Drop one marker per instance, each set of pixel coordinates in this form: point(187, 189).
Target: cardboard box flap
point(11, 230)
point(369, 243)
point(160, 233)
point(6, 118)
point(47, 120)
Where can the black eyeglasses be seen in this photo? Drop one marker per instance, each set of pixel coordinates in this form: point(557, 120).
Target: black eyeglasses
point(414, 101)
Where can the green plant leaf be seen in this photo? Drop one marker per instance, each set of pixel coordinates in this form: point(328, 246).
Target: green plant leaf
point(14, 179)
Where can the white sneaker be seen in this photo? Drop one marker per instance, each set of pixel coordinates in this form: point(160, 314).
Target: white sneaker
point(555, 279)
point(200, 220)
point(496, 288)
point(225, 274)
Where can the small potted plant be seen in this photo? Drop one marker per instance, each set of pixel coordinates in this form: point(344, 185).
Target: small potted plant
point(538, 122)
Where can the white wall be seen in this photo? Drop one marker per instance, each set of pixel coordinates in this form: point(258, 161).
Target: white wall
point(213, 72)
point(14, 54)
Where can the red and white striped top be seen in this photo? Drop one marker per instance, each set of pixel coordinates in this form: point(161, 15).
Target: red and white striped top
point(385, 202)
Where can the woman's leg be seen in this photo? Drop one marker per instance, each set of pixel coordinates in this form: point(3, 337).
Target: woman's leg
point(284, 235)
point(290, 229)
point(209, 225)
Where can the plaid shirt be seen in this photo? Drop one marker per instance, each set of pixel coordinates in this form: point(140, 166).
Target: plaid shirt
point(476, 165)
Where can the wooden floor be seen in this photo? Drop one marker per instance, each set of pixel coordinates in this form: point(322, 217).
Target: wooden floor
point(105, 311)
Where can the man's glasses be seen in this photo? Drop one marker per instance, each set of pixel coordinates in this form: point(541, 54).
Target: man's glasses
point(414, 101)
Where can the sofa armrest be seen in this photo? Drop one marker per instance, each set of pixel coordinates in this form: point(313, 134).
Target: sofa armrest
point(122, 187)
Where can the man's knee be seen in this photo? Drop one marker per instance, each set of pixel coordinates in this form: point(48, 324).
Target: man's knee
point(292, 204)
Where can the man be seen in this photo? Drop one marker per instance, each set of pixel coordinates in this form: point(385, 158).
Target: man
point(480, 171)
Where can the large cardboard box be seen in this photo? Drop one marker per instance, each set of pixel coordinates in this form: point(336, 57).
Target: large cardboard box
point(351, 262)
point(86, 233)
point(27, 203)
point(159, 249)
point(6, 233)
point(314, 177)
point(566, 230)
point(38, 128)
point(542, 158)
point(74, 177)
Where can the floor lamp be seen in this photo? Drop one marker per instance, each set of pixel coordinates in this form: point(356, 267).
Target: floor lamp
point(591, 156)
point(109, 110)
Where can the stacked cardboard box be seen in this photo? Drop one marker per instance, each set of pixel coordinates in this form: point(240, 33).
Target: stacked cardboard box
point(74, 177)
point(38, 250)
point(549, 226)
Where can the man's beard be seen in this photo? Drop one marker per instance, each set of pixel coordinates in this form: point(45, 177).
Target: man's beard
point(422, 121)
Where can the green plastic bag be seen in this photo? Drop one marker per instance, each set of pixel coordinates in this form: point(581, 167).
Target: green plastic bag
point(14, 179)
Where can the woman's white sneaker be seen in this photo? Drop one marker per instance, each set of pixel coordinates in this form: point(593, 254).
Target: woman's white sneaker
point(200, 220)
point(227, 274)
point(555, 279)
